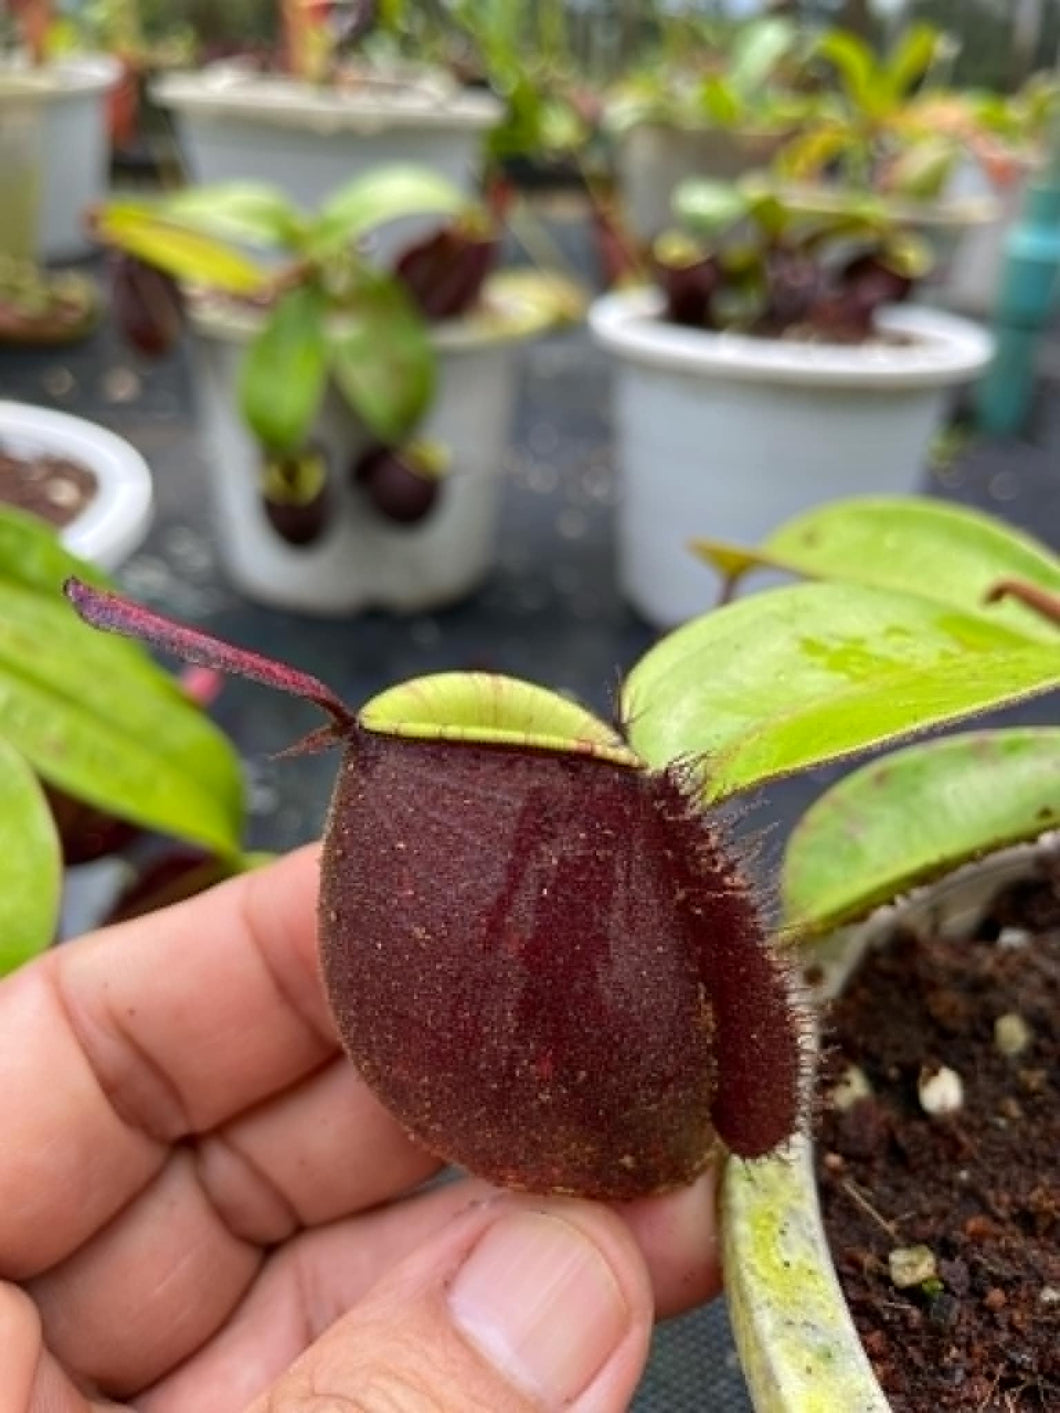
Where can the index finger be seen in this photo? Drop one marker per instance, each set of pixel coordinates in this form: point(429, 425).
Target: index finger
point(116, 1046)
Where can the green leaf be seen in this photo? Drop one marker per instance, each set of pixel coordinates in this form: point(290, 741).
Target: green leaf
point(186, 254)
point(943, 552)
point(913, 55)
point(94, 714)
point(757, 50)
point(31, 864)
point(243, 211)
point(708, 207)
point(111, 728)
point(916, 815)
point(808, 153)
point(854, 62)
point(796, 677)
point(382, 358)
point(285, 369)
point(31, 555)
point(719, 102)
point(922, 170)
point(381, 196)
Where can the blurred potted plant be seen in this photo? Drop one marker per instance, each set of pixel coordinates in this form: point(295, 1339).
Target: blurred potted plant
point(146, 39)
point(707, 104)
point(1004, 141)
point(69, 92)
point(525, 54)
point(43, 309)
point(326, 115)
point(878, 130)
point(934, 1156)
point(97, 744)
point(771, 318)
point(355, 416)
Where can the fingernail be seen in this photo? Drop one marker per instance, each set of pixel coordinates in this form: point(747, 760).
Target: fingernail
point(542, 1304)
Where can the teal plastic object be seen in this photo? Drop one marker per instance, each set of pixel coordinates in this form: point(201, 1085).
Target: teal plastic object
point(1024, 306)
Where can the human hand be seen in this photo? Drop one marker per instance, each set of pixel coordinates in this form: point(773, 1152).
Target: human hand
point(204, 1210)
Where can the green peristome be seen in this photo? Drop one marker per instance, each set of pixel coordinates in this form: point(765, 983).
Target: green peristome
point(489, 709)
point(942, 552)
point(916, 815)
point(791, 679)
point(30, 864)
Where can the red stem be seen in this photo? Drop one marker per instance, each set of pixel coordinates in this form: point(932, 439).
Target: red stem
point(111, 612)
point(1035, 597)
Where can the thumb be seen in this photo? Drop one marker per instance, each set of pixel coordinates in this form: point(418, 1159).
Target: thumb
point(517, 1306)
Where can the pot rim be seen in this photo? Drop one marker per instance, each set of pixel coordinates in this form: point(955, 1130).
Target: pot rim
point(798, 1345)
point(510, 315)
point(947, 348)
point(281, 101)
point(79, 75)
point(117, 518)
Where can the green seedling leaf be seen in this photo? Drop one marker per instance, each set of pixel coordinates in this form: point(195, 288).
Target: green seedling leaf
point(382, 358)
point(943, 552)
point(756, 51)
point(913, 55)
point(244, 211)
point(285, 369)
point(916, 815)
point(810, 152)
point(791, 679)
point(709, 207)
point(189, 255)
point(387, 195)
point(854, 62)
point(921, 171)
point(719, 102)
point(30, 864)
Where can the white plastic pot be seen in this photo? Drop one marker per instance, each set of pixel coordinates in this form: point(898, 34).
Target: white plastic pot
point(115, 521)
point(19, 169)
point(71, 95)
point(726, 436)
point(652, 159)
point(309, 139)
point(797, 1342)
point(362, 559)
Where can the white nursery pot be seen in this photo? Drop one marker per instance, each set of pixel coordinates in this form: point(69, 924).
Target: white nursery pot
point(115, 521)
point(727, 436)
point(74, 143)
point(797, 1342)
point(309, 139)
point(362, 559)
point(653, 158)
point(19, 168)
